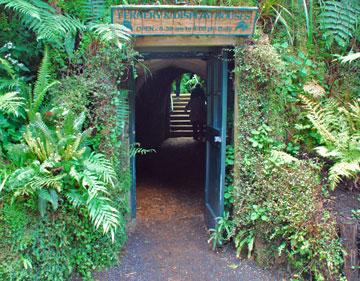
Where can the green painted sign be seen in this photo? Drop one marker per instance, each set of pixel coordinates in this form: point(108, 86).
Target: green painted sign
point(151, 20)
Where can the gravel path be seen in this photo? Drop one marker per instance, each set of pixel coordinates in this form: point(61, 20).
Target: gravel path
point(169, 240)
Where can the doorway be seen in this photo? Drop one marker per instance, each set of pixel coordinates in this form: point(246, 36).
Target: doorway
point(152, 128)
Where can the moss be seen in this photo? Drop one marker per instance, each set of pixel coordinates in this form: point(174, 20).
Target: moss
point(279, 205)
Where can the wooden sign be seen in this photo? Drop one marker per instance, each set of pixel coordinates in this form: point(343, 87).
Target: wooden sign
point(157, 20)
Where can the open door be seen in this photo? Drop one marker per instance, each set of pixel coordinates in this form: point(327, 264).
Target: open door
point(217, 76)
point(132, 132)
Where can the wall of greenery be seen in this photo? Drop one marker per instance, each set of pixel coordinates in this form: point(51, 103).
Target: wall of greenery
point(64, 151)
point(296, 139)
point(278, 201)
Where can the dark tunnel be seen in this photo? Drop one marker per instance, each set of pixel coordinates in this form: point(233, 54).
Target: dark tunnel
point(153, 107)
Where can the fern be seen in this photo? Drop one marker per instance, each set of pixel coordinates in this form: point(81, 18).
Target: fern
point(63, 171)
point(50, 26)
point(112, 33)
point(136, 149)
point(343, 170)
point(122, 108)
point(42, 85)
point(339, 128)
point(43, 20)
point(10, 103)
point(338, 21)
point(94, 9)
point(103, 214)
point(99, 165)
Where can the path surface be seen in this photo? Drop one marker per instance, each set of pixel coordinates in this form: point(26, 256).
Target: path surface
point(169, 241)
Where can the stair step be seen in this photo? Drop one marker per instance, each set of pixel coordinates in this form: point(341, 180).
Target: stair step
point(178, 103)
point(178, 134)
point(175, 123)
point(179, 117)
point(182, 95)
point(179, 107)
point(175, 100)
point(181, 127)
point(179, 112)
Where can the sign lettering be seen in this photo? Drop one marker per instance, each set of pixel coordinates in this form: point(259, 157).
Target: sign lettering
point(186, 20)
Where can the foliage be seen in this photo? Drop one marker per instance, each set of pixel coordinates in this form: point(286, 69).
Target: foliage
point(278, 214)
point(59, 170)
point(42, 85)
point(338, 21)
point(223, 231)
point(136, 149)
point(10, 103)
point(51, 248)
point(43, 19)
point(339, 128)
point(306, 235)
point(229, 178)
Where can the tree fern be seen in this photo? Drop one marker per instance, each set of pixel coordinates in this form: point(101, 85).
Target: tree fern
point(50, 26)
point(338, 21)
point(111, 33)
point(41, 18)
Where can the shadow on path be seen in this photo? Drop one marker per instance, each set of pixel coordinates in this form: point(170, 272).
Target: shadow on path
point(169, 241)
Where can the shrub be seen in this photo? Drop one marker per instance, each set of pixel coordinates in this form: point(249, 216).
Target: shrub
point(53, 247)
point(279, 215)
point(282, 210)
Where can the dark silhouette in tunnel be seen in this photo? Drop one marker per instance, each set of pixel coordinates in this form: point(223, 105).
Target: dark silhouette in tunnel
point(153, 107)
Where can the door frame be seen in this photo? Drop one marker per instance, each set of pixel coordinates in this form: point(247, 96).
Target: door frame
point(177, 53)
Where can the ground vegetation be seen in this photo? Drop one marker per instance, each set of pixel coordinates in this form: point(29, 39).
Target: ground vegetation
point(64, 151)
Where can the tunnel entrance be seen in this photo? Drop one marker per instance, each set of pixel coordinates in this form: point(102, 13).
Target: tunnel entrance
point(170, 180)
point(184, 176)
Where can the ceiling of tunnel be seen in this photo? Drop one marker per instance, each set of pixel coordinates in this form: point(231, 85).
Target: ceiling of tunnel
point(197, 66)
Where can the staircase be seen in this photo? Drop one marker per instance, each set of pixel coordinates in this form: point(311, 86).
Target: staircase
point(180, 125)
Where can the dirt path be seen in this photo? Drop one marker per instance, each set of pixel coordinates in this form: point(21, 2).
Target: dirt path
point(169, 241)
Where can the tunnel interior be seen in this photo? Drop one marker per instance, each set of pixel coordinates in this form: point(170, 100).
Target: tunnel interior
point(170, 181)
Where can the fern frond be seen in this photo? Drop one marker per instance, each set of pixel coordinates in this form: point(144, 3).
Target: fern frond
point(10, 103)
point(122, 109)
point(338, 21)
point(111, 33)
point(7, 67)
point(103, 214)
point(94, 9)
point(79, 122)
point(99, 165)
point(95, 187)
point(21, 177)
point(343, 170)
point(42, 19)
point(38, 125)
point(320, 119)
point(46, 181)
point(42, 85)
point(76, 198)
point(40, 139)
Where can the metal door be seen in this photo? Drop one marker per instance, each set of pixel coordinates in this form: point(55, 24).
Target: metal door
point(132, 132)
point(217, 76)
